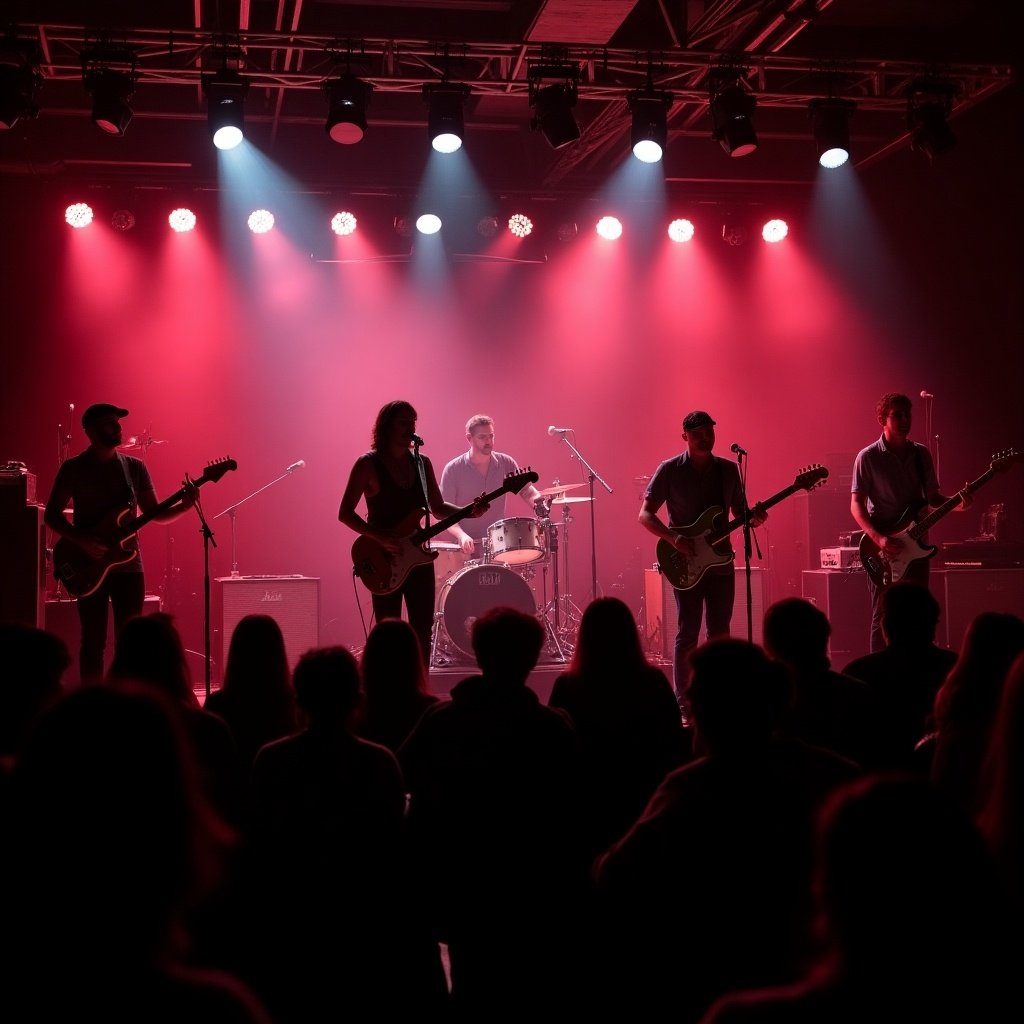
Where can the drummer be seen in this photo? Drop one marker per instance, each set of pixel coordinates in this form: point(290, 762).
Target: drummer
point(480, 468)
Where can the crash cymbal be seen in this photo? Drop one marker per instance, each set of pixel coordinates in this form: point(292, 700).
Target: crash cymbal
point(560, 488)
point(568, 501)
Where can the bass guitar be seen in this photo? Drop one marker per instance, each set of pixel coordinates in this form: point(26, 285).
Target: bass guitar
point(888, 567)
point(82, 574)
point(685, 571)
point(383, 573)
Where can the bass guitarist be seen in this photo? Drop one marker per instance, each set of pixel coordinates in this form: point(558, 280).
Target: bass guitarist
point(100, 482)
point(893, 478)
point(396, 481)
point(689, 484)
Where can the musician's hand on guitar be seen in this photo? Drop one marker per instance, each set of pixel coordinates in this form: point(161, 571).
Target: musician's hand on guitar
point(889, 545)
point(387, 542)
point(966, 499)
point(684, 545)
point(93, 547)
point(758, 516)
point(190, 494)
point(467, 544)
point(480, 506)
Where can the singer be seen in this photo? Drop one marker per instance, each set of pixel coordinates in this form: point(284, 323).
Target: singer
point(690, 484)
point(396, 483)
point(479, 468)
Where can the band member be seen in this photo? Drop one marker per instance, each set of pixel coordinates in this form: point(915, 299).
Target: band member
point(100, 482)
point(480, 468)
point(395, 482)
point(892, 477)
point(689, 484)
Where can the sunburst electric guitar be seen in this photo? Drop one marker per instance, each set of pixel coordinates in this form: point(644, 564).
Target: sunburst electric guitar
point(685, 571)
point(886, 568)
point(82, 574)
point(383, 573)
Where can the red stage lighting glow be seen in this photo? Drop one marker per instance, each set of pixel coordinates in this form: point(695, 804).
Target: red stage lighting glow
point(78, 215)
point(610, 228)
point(181, 219)
point(680, 230)
point(260, 221)
point(343, 223)
point(774, 230)
point(520, 225)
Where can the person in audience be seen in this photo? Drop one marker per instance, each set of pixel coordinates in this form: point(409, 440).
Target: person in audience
point(914, 924)
point(110, 847)
point(256, 698)
point(905, 677)
point(707, 892)
point(626, 717)
point(827, 709)
point(396, 688)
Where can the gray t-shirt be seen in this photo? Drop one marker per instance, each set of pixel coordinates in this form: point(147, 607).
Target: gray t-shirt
point(461, 482)
point(893, 484)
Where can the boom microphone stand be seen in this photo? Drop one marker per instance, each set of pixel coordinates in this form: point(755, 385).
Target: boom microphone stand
point(748, 534)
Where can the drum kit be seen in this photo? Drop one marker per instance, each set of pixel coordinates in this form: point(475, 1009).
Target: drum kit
point(513, 551)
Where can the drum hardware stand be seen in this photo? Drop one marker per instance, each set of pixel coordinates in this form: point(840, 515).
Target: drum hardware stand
point(552, 611)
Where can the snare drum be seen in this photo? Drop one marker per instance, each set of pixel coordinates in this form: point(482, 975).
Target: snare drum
point(450, 559)
point(475, 590)
point(515, 541)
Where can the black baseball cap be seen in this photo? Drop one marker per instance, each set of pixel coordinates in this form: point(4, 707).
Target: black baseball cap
point(98, 411)
point(697, 418)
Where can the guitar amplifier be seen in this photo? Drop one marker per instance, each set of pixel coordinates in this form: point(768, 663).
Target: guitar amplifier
point(17, 484)
point(840, 558)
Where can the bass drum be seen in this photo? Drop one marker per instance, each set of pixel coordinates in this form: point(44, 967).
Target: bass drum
point(475, 590)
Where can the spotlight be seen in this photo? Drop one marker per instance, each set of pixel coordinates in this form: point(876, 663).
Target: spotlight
point(111, 93)
point(260, 221)
point(732, 110)
point(487, 227)
point(520, 225)
point(122, 220)
point(733, 234)
point(929, 102)
point(609, 228)
point(19, 83)
point(78, 215)
point(347, 98)
point(428, 223)
point(774, 230)
point(649, 130)
point(831, 118)
point(225, 97)
point(445, 122)
point(567, 231)
point(181, 220)
point(343, 223)
point(680, 230)
point(554, 118)
point(403, 226)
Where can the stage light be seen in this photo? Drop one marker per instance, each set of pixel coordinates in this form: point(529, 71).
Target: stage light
point(774, 230)
point(649, 130)
point(732, 111)
point(78, 215)
point(428, 223)
point(343, 223)
point(554, 117)
point(122, 220)
point(487, 227)
point(111, 93)
point(19, 82)
point(567, 231)
point(609, 228)
point(831, 120)
point(444, 120)
point(182, 219)
point(680, 230)
point(403, 226)
point(225, 98)
point(260, 221)
point(929, 102)
point(733, 233)
point(520, 225)
point(347, 98)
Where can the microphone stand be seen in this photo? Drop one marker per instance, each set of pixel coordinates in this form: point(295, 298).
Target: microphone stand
point(747, 535)
point(207, 541)
point(592, 475)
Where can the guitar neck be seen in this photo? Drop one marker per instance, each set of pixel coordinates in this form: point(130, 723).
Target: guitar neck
point(919, 528)
point(140, 521)
point(425, 533)
point(735, 524)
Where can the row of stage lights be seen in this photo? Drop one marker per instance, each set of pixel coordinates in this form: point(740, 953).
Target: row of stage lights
point(182, 219)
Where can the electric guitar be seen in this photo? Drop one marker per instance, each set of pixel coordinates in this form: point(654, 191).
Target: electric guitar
point(885, 567)
point(685, 571)
point(82, 574)
point(383, 573)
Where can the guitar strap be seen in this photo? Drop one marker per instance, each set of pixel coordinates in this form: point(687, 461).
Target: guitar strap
point(128, 480)
point(418, 459)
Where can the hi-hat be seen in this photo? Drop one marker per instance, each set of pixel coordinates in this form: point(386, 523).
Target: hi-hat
point(560, 489)
point(568, 501)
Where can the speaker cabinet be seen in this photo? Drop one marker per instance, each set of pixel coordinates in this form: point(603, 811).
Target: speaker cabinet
point(294, 601)
point(969, 592)
point(662, 618)
point(22, 563)
point(844, 597)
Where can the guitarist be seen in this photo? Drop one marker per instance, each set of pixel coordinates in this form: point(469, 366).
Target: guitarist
point(891, 477)
point(689, 484)
point(392, 479)
point(100, 482)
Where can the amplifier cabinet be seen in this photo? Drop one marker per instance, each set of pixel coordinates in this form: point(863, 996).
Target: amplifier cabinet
point(662, 617)
point(294, 601)
point(968, 592)
point(22, 564)
point(844, 597)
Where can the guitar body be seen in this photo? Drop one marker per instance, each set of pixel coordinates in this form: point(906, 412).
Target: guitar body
point(885, 569)
point(685, 571)
point(82, 574)
point(383, 573)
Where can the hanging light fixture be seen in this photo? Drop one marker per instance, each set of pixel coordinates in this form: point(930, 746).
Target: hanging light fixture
point(929, 102)
point(225, 98)
point(347, 98)
point(111, 93)
point(831, 120)
point(649, 129)
point(445, 119)
point(19, 81)
point(732, 112)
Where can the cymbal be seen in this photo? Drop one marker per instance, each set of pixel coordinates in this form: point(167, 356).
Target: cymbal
point(568, 501)
point(560, 489)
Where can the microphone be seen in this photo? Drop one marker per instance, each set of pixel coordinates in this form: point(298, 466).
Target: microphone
point(417, 440)
point(301, 464)
point(927, 394)
point(559, 430)
point(737, 449)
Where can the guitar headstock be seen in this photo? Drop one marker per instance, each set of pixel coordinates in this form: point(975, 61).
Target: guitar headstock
point(515, 482)
point(1002, 461)
point(811, 476)
point(216, 469)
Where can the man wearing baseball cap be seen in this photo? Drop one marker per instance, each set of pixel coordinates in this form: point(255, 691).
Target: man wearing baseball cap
point(102, 483)
point(689, 484)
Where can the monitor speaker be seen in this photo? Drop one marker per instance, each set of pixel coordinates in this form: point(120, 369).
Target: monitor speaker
point(22, 563)
point(969, 592)
point(846, 601)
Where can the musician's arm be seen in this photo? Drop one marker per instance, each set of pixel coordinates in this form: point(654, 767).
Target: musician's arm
point(438, 505)
point(859, 511)
point(147, 499)
point(59, 523)
point(653, 523)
